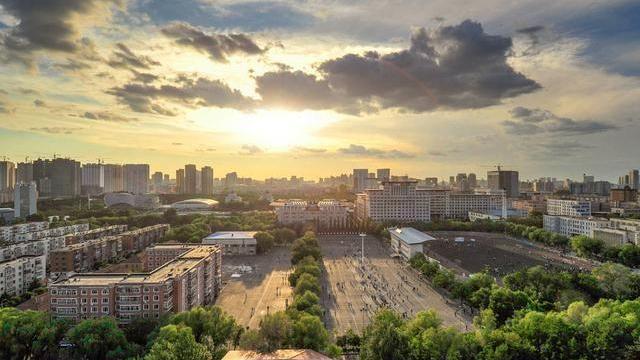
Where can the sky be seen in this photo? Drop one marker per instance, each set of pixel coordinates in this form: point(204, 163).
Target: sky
point(315, 88)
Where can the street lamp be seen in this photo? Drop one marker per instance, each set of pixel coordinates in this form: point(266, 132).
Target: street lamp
point(362, 236)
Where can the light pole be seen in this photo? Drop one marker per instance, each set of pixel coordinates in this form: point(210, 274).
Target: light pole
point(362, 236)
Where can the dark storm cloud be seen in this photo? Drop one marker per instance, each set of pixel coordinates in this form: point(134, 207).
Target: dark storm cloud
point(360, 150)
point(298, 90)
point(452, 67)
point(527, 121)
point(217, 46)
point(45, 25)
point(187, 91)
point(124, 58)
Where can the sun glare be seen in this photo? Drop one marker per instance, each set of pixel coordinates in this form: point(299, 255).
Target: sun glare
point(273, 130)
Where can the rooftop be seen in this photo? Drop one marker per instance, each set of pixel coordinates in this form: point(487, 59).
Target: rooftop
point(410, 235)
point(292, 354)
point(225, 235)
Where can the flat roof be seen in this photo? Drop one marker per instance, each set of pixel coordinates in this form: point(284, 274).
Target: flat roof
point(230, 235)
point(410, 235)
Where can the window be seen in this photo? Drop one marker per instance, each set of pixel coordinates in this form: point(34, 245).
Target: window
point(105, 309)
point(94, 292)
point(94, 300)
point(156, 297)
point(83, 300)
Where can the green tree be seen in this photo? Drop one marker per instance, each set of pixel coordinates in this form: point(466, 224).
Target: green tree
point(309, 333)
point(586, 246)
point(264, 241)
point(384, 339)
point(29, 335)
point(176, 342)
point(275, 329)
point(98, 339)
point(307, 282)
point(210, 326)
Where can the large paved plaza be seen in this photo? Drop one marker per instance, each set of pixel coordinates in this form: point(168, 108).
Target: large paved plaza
point(255, 285)
point(357, 290)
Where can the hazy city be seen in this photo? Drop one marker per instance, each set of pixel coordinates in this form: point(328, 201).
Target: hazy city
point(280, 179)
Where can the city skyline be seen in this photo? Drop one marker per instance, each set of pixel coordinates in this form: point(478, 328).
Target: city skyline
point(270, 88)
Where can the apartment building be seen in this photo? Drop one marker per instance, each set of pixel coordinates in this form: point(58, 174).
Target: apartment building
point(7, 233)
point(561, 207)
point(159, 254)
point(82, 236)
point(571, 226)
point(192, 279)
point(84, 256)
point(530, 205)
point(17, 275)
point(325, 214)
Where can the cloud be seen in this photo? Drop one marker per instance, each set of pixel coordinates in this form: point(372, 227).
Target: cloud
point(39, 103)
point(5, 109)
point(436, 153)
point(106, 116)
point(360, 150)
point(451, 67)
point(56, 130)
point(177, 144)
point(51, 25)
point(250, 150)
point(187, 91)
point(527, 121)
point(308, 150)
point(124, 58)
point(218, 46)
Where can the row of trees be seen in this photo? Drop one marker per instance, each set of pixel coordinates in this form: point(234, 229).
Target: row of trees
point(300, 325)
point(608, 330)
point(198, 334)
point(535, 288)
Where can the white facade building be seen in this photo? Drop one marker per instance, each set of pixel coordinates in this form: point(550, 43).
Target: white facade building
point(18, 274)
point(408, 241)
point(326, 214)
point(571, 226)
point(25, 199)
point(562, 207)
point(233, 242)
point(394, 200)
point(403, 201)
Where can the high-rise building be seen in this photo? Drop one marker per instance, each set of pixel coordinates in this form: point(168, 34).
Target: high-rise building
point(395, 200)
point(24, 172)
point(634, 181)
point(473, 182)
point(136, 178)
point(92, 179)
point(180, 189)
point(190, 174)
point(25, 199)
point(156, 178)
point(207, 180)
point(7, 175)
point(587, 178)
point(383, 174)
point(360, 177)
point(166, 178)
point(65, 178)
point(504, 180)
point(113, 178)
point(231, 179)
